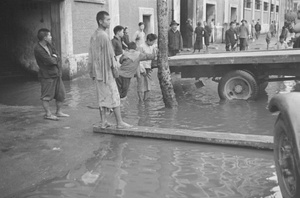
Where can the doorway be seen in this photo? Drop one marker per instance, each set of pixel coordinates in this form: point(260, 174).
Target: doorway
point(233, 12)
point(210, 12)
point(147, 20)
point(186, 12)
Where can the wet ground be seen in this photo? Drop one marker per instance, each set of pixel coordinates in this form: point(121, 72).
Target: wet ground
point(133, 167)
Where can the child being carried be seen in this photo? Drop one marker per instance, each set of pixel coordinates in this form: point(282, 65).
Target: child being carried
point(130, 62)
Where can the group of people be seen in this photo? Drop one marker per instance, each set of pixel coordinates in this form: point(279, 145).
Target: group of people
point(237, 35)
point(128, 58)
point(203, 35)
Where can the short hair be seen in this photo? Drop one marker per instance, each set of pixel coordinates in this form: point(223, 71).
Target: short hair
point(199, 24)
point(151, 37)
point(237, 23)
point(231, 23)
point(132, 45)
point(141, 23)
point(125, 28)
point(118, 28)
point(101, 16)
point(281, 37)
point(42, 33)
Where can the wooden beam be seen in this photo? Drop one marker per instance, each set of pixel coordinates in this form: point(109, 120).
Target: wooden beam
point(220, 138)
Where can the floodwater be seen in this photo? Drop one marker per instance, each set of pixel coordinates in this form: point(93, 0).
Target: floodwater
point(135, 167)
point(199, 109)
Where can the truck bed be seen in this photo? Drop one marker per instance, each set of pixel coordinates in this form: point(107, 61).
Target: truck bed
point(235, 58)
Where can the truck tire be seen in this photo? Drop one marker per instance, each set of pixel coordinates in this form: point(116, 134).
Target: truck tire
point(286, 168)
point(238, 84)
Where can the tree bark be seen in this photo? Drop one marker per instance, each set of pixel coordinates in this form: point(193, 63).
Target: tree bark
point(163, 73)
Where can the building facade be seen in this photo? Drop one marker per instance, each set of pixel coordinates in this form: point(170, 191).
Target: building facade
point(223, 12)
point(267, 11)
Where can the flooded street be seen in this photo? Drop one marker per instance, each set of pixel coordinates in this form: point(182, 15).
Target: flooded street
point(135, 167)
point(199, 109)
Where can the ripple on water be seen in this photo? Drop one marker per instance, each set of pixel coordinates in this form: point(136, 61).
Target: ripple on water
point(148, 168)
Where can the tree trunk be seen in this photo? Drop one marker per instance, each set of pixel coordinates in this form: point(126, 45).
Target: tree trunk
point(163, 73)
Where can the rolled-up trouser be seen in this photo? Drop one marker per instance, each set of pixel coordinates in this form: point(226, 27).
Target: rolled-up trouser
point(123, 85)
point(52, 88)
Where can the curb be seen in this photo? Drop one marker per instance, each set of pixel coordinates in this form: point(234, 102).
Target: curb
point(219, 138)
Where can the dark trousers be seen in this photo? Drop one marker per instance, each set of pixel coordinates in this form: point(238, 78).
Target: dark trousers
point(243, 43)
point(123, 85)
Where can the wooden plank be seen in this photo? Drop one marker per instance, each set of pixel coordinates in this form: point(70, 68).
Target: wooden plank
point(220, 138)
point(249, 57)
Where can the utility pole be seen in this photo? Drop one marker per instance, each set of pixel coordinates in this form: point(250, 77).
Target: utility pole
point(163, 73)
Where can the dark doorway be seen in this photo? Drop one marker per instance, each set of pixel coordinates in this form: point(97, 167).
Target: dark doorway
point(147, 20)
point(210, 12)
point(19, 22)
point(183, 19)
point(233, 14)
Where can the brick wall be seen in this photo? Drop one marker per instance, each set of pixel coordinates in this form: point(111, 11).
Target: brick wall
point(84, 24)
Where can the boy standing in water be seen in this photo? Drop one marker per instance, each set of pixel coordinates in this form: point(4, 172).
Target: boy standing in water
point(144, 80)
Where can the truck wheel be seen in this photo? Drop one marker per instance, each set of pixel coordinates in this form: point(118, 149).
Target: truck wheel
point(239, 85)
point(285, 162)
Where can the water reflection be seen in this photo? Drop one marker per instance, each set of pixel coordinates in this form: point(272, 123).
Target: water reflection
point(150, 168)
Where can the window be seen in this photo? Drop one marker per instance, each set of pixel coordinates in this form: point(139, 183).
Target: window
point(248, 3)
point(266, 6)
point(272, 7)
point(277, 8)
point(257, 4)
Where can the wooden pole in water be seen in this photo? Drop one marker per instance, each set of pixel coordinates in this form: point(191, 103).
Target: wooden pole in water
point(163, 73)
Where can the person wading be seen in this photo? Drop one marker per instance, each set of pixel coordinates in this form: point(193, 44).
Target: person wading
point(50, 73)
point(101, 63)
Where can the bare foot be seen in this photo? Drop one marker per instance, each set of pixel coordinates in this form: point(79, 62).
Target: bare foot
point(123, 125)
point(105, 125)
point(61, 114)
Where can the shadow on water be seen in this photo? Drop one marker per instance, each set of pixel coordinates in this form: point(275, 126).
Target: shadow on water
point(150, 168)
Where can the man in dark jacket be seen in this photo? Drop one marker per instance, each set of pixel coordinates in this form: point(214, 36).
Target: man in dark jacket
point(231, 38)
point(257, 29)
point(50, 73)
point(175, 39)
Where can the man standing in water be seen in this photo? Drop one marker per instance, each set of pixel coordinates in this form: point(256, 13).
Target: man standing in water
point(101, 61)
point(50, 73)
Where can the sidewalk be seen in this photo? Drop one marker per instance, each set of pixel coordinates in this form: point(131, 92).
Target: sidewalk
point(256, 45)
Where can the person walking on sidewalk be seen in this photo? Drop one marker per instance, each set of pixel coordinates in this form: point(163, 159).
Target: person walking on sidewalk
point(199, 34)
point(268, 39)
point(231, 38)
point(50, 73)
point(189, 34)
point(244, 35)
point(257, 29)
point(207, 36)
point(175, 44)
point(101, 62)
